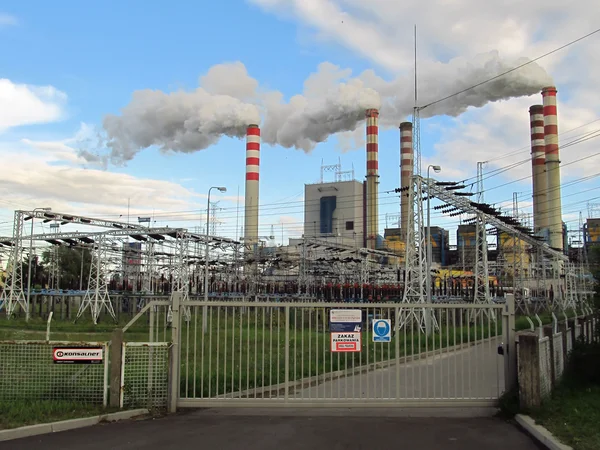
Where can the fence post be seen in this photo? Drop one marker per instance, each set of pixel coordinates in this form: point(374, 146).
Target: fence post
point(287, 352)
point(510, 344)
point(174, 354)
point(116, 361)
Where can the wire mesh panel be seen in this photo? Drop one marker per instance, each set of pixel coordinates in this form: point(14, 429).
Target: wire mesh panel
point(38, 370)
point(296, 354)
point(145, 375)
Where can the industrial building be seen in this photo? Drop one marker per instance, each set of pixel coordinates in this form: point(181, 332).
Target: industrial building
point(591, 232)
point(335, 212)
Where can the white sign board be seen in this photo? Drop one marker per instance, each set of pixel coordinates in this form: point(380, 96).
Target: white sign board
point(382, 330)
point(346, 342)
point(345, 315)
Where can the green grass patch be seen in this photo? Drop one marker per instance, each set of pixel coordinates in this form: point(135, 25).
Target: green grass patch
point(15, 414)
point(573, 416)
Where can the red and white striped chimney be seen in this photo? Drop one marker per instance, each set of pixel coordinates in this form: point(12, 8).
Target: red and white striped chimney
point(538, 169)
point(372, 177)
point(407, 157)
point(554, 210)
point(252, 178)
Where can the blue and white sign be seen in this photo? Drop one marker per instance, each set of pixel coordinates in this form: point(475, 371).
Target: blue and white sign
point(345, 320)
point(382, 330)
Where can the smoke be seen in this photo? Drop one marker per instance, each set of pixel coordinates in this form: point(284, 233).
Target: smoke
point(332, 103)
point(307, 120)
point(438, 81)
point(180, 122)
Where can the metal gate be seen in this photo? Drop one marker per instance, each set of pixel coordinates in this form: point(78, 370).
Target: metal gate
point(232, 353)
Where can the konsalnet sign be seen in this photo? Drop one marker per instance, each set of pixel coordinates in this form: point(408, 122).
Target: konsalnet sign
point(78, 355)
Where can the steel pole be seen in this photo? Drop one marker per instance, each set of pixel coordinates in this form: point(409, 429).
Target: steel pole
point(29, 271)
point(205, 307)
point(428, 259)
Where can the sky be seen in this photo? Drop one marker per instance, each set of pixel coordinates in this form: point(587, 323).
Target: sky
point(122, 110)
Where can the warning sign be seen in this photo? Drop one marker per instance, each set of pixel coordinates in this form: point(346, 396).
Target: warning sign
point(346, 342)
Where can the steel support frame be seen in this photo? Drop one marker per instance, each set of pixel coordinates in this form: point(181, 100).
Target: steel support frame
point(13, 294)
point(97, 296)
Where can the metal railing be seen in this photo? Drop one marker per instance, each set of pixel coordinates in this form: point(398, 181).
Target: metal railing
point(261, 353)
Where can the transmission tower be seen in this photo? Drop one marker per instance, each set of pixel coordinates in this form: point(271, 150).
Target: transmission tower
point(97, 297)
point(414, 289)
point(481, 275)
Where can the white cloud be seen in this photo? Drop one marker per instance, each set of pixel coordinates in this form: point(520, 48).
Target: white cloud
point(382, 32)
point(22, 104)
point(6, 20)
point(49, 173)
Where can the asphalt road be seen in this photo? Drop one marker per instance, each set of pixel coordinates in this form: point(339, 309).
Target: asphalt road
point(476, 372)
point(201, 430)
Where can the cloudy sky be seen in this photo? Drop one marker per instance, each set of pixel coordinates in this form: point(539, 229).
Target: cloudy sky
point(126, 103)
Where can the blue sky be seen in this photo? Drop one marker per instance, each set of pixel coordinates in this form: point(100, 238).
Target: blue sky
point(99, 54)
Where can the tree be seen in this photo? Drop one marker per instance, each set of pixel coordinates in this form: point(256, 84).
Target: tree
point(73, 266)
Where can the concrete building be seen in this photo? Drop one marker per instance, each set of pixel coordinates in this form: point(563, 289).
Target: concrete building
point(466, 242)
point(591, 233)
point(335, 211)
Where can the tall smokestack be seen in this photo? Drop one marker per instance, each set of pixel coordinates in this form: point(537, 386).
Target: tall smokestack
point(538, 169)
point(372, 177)
point(252, 171)
point(554, 209)
point(407, 158)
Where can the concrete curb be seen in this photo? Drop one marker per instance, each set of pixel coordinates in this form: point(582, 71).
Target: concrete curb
point(55, 427)
point(540, 434)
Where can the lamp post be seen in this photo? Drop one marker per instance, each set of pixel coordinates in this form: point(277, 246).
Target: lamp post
point(29, 261)
point(436, 169)
point(205, 307)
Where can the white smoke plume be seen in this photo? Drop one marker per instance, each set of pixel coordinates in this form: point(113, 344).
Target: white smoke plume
point(180, 121)
point(332, 102)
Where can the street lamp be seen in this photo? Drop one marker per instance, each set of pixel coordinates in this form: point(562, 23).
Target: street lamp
point(205, 307)
point(29, 261)
point(436, 169)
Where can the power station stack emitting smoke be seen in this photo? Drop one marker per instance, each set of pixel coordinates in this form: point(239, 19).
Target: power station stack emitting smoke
point(538, 160)
point(407, 156)
point(252, 183)
point(553, 201)
point(372, 177)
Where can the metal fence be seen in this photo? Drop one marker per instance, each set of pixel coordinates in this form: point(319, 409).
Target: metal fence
point(28, 371)
point(251, 354)
point(144, 375)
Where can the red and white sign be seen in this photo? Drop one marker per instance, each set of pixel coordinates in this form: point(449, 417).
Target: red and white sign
point(77, 355)
point(346, 342)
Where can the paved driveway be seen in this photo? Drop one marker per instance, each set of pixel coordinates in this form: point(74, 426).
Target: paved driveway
point(209, 430)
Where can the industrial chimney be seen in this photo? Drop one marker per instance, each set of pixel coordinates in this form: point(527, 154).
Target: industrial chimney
point(252, 171)
point(538, 169)
point(372, 177)
point(407, 157)
point(552, 164)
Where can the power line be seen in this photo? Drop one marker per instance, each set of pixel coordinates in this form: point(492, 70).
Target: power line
point(510, 70)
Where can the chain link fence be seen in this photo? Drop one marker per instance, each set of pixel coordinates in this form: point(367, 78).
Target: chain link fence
point(39, 370)
point(145, 375)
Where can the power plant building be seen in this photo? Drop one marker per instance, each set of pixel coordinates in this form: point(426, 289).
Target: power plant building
point(335, 211)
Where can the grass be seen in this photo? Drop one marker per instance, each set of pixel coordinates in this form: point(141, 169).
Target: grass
point(573, 416)
point(15, 414)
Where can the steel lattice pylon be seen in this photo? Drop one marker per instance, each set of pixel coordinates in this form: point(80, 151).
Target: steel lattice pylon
point(181, 273)
point(415, 259)
point(97, 296)
point(13, 294)
point(481, 274)
point(149, 273)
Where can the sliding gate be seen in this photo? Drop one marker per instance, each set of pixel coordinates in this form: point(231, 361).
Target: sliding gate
point(290, 354)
